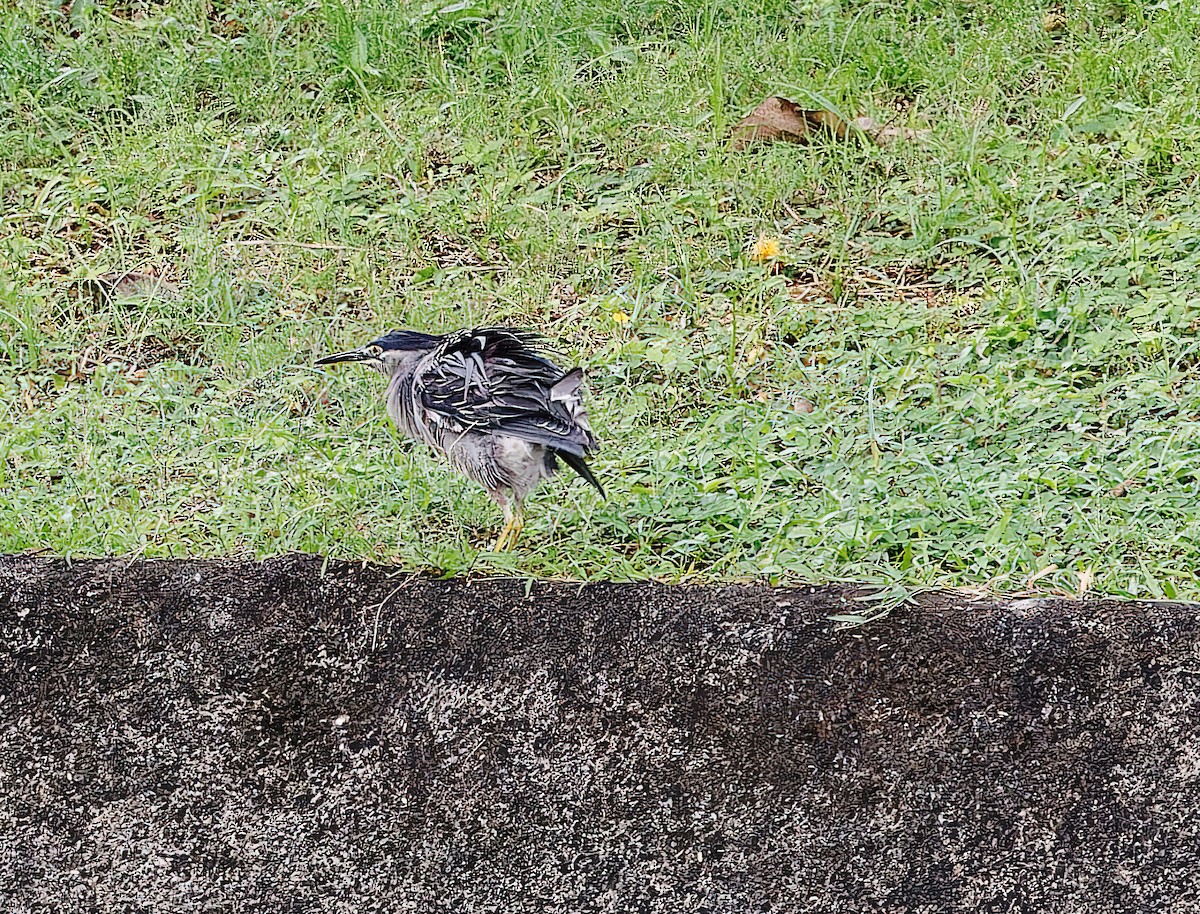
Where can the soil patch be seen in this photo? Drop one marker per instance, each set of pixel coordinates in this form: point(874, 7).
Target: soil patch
point(294, 736)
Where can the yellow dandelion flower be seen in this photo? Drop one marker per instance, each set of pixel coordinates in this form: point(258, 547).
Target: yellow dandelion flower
point(765, 247)
point(620, 317)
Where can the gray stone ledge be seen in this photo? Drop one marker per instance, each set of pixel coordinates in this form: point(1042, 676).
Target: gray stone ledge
point(283, 737)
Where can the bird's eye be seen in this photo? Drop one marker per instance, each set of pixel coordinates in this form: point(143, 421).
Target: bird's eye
point(375, 351)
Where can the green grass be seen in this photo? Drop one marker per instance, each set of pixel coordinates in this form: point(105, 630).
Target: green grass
point(997, 325)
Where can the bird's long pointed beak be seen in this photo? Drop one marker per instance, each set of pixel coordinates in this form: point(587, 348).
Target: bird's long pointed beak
point(354, 355)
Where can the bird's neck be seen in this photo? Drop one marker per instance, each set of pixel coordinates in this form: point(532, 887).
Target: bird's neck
point(400, 404)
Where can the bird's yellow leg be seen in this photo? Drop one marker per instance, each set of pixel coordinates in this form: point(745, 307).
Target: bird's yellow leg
point(516, 525)
point(505, 539)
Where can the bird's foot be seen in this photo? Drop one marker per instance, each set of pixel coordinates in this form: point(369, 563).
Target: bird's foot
point(502, 539)
point(508, 536)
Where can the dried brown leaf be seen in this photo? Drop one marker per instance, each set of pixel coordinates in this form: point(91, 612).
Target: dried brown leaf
point(1038, 575)
point(779, 119)
point(1087, 577)
point(782, 120)
point(1124, 487)
point(1054, 21)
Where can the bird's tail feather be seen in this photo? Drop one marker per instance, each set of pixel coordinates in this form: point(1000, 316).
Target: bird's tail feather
point(579, 465)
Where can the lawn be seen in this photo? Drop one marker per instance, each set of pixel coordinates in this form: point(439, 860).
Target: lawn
point(973, 363)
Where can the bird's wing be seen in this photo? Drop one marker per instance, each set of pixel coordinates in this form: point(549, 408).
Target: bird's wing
point(498, 379)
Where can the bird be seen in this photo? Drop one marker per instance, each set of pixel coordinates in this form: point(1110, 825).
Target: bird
point(490, 402)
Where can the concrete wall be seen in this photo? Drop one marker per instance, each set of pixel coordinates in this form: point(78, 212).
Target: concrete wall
point(187, 736)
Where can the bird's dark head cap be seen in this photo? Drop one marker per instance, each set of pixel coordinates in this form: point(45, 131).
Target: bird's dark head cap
point(405, 341)
point(394, 343)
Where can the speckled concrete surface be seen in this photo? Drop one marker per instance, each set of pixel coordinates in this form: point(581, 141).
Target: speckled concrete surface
point(185, 736)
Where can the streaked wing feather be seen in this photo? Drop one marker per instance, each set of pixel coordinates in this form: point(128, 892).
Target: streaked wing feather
point(496, 379)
